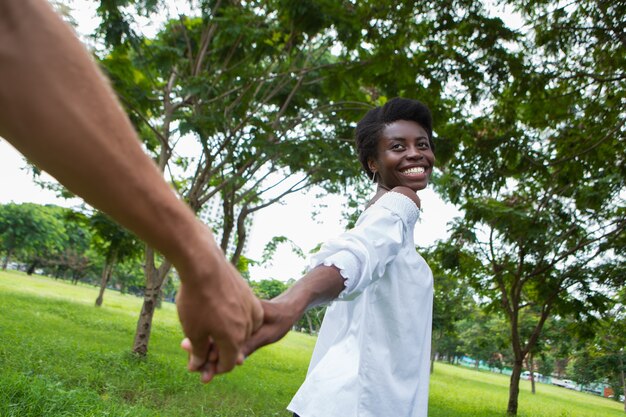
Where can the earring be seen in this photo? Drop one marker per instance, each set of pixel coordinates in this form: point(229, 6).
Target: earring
point(374, 176)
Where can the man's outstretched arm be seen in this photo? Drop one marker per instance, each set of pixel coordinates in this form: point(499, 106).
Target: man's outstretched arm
point(60, 112)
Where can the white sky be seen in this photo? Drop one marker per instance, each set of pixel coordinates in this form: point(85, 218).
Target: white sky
point(291, 219)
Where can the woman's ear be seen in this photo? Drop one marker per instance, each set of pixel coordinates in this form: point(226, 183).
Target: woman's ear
point(371, 164)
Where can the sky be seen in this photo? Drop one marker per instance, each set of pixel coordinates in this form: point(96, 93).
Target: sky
point(292, 219)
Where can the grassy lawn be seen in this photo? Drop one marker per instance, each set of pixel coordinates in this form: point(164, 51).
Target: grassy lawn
point(61, 356)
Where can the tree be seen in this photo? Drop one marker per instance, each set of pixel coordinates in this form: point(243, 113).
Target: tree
point(268, 92)
point(483, 336)
point(541, 176)
point(129, 277)
point(268, 288)
point(114, 243)
point(311, 320)
point(604, 359)
point(71, 252)
point(77, 258)
point(28, 231)
point(452, 303)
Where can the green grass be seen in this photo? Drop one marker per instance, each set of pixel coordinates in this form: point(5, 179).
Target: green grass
point(61, 356)
point(457, 391)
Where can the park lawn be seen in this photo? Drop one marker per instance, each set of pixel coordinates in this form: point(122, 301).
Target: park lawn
point(61, 356)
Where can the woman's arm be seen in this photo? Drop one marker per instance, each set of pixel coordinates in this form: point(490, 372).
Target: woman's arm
point(59, 111)
point(320, 285)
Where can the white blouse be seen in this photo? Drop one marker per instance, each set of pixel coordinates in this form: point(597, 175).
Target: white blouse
point(372, 355)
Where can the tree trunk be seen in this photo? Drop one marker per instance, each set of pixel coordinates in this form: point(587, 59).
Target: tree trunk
point(531, 367)
point(514, 387)
point(144, 324)
point(154, 281)
point(310, 323)
point(621, 377)
point(106, 276)
point(228, 222)
point(31, 268)
point(433, 348)
point(104, 280)
point(241, 235)
point(161, 296)
point(6, 259)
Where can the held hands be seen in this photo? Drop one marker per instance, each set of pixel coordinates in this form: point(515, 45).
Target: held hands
point(320, 285)
point(218, 316)
point(278, 318)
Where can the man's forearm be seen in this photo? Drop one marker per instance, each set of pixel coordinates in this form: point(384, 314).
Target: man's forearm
point(59, 111)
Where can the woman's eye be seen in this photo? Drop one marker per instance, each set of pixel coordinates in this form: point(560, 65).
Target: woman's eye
point(397, 146)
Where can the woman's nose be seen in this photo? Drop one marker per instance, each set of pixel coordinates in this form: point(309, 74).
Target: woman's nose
point(414, 153)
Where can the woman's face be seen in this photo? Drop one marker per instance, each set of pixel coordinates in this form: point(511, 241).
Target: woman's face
point(404, 156)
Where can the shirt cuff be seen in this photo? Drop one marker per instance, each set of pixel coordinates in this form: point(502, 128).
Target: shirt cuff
point(348, 267)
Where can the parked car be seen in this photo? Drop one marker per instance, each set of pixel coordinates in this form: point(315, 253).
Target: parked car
point(565, 383)
point(526, 375)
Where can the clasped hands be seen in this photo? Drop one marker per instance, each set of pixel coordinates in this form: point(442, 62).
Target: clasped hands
point(227, 323)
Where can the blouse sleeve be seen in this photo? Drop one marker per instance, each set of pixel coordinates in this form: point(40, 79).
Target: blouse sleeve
point(363, 253)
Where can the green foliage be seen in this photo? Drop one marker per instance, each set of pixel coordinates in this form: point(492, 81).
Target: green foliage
point(268, 288)
point(452, 305)
point(540, 175)
point(311, 320)
point(42, 237)
point(69, 244)
point(270, 248)
point(115, 246)
point(27, 230)
point(484, 336)
point(112, 241)
point(604, 358)
point(269, 91)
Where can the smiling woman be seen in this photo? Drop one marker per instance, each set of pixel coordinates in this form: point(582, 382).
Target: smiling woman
point(373, 351)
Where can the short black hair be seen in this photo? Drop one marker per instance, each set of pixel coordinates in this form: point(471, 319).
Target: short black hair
point(369, 129)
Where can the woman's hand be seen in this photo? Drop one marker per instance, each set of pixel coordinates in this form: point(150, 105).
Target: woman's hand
point(218, 316)
point(278, 319)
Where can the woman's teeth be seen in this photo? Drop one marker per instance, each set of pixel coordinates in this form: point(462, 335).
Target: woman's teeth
point(416, 170)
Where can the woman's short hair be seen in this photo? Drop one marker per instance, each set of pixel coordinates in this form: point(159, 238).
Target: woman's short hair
point(369, 128)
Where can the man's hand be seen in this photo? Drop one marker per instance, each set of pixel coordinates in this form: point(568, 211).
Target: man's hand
point(218, 315)
point(278, 319)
